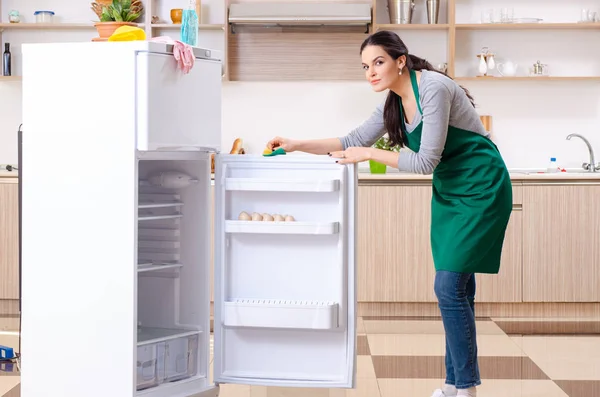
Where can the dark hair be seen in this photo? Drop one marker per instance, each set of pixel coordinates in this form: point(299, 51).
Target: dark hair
point(395, 48)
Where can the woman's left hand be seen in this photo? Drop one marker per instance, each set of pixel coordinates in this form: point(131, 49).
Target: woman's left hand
point(353, 155)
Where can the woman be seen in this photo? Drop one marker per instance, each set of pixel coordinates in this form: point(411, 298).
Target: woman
point(428, 113)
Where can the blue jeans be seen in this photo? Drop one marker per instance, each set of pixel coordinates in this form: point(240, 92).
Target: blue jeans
point(456, 299)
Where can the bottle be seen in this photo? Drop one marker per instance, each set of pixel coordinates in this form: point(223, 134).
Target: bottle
point(189, 25)
point(6, 60)
point(553, 166)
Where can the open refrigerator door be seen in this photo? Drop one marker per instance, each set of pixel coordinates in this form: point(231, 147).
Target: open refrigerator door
point(285, 300)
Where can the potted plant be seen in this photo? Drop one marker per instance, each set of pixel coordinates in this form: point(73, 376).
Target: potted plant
point(115, 14)
point(382, 143)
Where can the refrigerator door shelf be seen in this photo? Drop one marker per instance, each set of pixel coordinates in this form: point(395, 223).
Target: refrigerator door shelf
point(280, 314)
point(263, 227)
point(282, 185)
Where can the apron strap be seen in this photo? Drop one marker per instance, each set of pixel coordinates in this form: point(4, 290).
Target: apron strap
point(415, 87)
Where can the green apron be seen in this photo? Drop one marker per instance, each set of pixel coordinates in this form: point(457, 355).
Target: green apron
point(472, 199)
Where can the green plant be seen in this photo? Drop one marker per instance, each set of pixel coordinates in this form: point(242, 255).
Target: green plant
point(383, 143)
point(121, 11)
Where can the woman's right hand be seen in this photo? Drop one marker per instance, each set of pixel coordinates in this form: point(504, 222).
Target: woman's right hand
point(286, 144)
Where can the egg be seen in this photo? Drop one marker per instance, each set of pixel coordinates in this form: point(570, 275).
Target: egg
point(244, 216)
point(289, 218)
point(267, 218)
point(278, 218)
point(257, 217)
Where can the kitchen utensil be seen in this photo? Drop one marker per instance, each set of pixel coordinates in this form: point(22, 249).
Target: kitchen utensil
point(482, 65)
point(176, 15)
point(507, 69)
point(539, 69)
point(433, 11)
point(527, 20)
point(491, 63)
point(401, 11)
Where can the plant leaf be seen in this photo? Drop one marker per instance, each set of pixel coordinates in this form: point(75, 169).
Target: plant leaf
point(117, 15)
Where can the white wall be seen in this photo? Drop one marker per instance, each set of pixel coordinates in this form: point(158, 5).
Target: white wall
point(531, 119)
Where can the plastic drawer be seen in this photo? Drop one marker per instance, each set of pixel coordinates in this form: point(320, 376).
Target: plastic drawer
point(178, 358)
point(147, 366)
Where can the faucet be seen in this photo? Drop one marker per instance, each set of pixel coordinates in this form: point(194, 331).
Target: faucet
point(592, 166)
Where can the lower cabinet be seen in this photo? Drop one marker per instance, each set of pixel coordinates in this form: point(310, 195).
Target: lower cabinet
point(9, 239)
point(394, 252)
point(561, 243)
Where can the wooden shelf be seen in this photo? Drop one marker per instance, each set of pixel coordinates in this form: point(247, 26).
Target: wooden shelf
point(48, 26)
point(527, 26)
point(178, 26)
point(10, 78)
point(530, 78)
point(439, 26)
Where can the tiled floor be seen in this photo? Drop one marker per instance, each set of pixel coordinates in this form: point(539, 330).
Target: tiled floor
point(404, 357)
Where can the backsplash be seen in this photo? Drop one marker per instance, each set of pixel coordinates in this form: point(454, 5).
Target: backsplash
point(530, 119)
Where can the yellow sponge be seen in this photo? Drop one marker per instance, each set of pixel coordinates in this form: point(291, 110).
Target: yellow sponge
point(128, 33)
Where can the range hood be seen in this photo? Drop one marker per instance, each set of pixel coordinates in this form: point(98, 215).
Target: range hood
point(300, 14)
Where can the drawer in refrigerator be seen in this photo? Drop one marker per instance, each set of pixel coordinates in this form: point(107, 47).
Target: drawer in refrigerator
point(179, 358)
point(147, 368)
point(175, 110)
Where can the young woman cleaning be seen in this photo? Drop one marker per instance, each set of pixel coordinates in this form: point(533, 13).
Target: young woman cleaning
point(435, 121)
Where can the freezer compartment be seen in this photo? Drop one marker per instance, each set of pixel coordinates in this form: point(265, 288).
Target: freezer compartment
point(174, 109)
point(280, 314)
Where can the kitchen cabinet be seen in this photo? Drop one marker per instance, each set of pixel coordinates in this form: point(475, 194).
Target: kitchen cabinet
point(561, 243)
point(9, 239)
point(394, 253)
point(506, 286)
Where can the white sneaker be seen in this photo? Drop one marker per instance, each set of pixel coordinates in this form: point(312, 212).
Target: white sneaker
point(440, 393)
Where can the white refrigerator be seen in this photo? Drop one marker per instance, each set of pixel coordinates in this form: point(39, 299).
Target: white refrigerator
point(116, 246)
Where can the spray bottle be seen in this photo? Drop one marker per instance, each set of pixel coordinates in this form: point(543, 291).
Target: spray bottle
point(189, 24)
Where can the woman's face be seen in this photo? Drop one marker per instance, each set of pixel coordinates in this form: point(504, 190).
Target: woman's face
point(381, 70)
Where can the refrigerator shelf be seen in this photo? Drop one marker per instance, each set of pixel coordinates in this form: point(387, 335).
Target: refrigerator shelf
point(158, 204)
point(158, 217)
point(149, 335)
point(276, 313)
point(281, 227)
point(149, 266)
point(282, 185)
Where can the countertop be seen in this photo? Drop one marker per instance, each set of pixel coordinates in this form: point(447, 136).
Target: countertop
point(515, 175)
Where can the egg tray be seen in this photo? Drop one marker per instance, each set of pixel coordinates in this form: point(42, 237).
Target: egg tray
point(265, 217)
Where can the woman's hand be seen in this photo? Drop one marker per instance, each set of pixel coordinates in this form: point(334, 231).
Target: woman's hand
point(353, 155)
point(286, 144)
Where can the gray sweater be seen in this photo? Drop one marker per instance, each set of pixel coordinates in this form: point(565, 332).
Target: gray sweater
point(444, 103)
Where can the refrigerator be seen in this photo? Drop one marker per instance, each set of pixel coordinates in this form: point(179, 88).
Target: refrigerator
point(117, 200)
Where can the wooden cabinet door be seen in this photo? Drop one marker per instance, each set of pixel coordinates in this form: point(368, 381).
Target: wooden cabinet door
point(394, 252)
point(561, 243)
point(9, 240)
point(506, 286)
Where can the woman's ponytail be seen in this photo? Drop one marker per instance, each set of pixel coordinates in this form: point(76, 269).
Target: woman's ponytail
point(415, 63)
